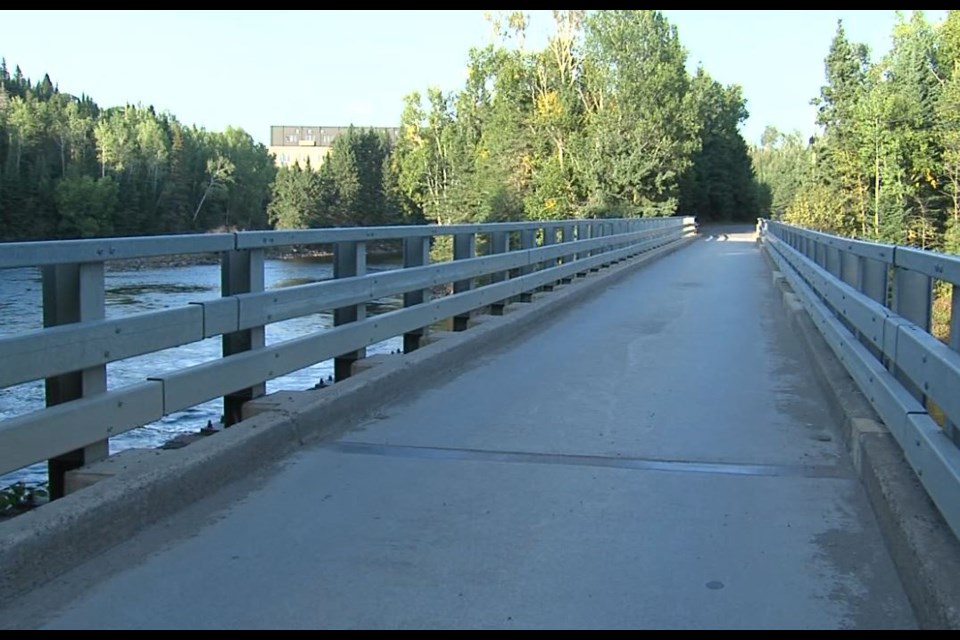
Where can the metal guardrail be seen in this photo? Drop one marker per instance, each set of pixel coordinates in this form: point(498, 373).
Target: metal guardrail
point(873, 303)
point(77, 342)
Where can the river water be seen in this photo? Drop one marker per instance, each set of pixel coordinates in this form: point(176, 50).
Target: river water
point(136, 291)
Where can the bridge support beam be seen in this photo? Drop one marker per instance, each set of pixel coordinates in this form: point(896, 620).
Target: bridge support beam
point(73, 293)
point(241, 272)
point(349, 260)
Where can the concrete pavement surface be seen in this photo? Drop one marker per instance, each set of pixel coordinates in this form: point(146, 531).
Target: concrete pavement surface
point(660, 457)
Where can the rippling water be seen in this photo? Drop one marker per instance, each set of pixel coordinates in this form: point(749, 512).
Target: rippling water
point(130, 292)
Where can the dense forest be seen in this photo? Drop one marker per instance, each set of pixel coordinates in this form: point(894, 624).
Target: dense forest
point(604, 121)
point(885, 164)
point(70, 169)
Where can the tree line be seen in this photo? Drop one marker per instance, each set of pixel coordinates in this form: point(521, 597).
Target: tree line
point(604, 121)
point(69, 169)
point(885, 162)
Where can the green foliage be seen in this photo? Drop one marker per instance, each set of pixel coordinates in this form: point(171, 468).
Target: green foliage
point(641, 125)
point(604, 121)
point(782, 165)
point(296, 198)
point(85, 206)
point(355, 185)
point(355, 170)
point(720, 183)
point(69, 169)
point(886, 163)
point(20, 497)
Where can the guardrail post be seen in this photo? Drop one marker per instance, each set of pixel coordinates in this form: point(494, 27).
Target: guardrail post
point(528, 240)
point(73, 293)
point(609, 229)
point(850, 273)
point(834, 260)
point(869, 277)
point(549, 239)
point(241, 272)
point(874, 277)
point(596, 230)
point(583, 233)
point(951, 429)
point(349, 261)
point(912, 299)
point(617, 228)
point(416, 253)
point(913, 296)
point(566, 236)
point(498, 244)
point(464, 248)
point(850, 268)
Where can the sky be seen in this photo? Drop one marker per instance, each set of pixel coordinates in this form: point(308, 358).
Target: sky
point(253, 69)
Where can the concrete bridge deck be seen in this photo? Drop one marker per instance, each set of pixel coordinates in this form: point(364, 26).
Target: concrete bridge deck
point(661, 457)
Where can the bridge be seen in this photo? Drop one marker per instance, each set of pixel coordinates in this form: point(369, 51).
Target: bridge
point(627, 424)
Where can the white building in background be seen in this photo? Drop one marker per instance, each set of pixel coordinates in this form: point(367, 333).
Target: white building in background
point(290, 144)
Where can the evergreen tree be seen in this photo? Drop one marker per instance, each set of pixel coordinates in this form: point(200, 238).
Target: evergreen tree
point(720, 183)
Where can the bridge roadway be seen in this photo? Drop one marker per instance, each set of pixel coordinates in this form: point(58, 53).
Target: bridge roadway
point(660, 457)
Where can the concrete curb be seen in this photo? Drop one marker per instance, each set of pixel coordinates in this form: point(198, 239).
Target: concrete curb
point(924, 550)
point(42, 544)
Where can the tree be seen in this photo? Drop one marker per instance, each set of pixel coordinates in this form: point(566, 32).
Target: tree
point(115, 141)
point(556, 122)
point(641, 128)
point(887, 159)
point(219, 174)
point(782, 165)
point(160, 170)
point(914, 79)
point(354, 168)
point(720, 183)
point(838, 149)
point(86, 206)
point(422, 157)
point(253, 173)
point(948, 126)
point(296, 198)
point(25, 126)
